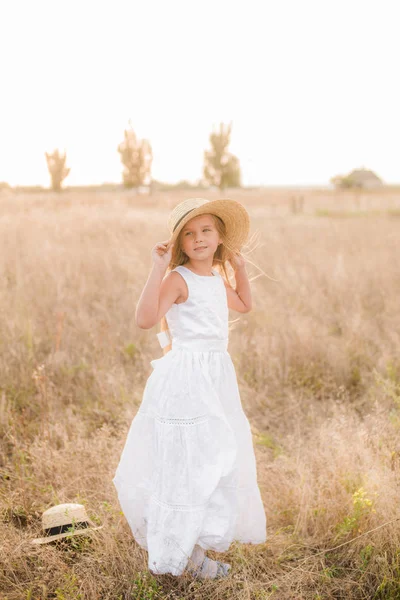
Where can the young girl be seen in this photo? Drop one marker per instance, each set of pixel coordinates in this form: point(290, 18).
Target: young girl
point(186, 479)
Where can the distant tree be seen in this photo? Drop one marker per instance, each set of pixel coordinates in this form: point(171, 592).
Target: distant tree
point(344, 182)
point(357, 179)
point(136, 156)
point(221, 168)
point(57, 169)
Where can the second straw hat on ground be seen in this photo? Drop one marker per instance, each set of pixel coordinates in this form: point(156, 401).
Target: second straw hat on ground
point(65, 520)
point(233, 214)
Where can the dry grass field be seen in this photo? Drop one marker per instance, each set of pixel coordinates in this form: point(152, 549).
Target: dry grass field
point(318, 364)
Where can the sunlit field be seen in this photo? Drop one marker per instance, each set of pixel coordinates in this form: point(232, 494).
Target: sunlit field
point(318, 364)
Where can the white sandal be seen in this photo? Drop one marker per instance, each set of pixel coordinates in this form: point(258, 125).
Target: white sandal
point(202, 569)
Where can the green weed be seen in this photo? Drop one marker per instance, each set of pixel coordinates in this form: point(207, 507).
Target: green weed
point(131, 351)
point(362, 507)
point(366, 555)
point(388, 589)
point(266, 440)
point(145, 587)
point(69, 588)
point(330, 572)
point(393, 212)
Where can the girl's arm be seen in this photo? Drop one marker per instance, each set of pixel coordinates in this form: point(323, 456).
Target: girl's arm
point(158, 294)
point(239, 299)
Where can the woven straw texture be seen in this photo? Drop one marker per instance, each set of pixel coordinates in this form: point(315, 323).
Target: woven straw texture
point(64, 514)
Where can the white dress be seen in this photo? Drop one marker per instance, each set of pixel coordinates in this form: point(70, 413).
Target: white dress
point(187, 473)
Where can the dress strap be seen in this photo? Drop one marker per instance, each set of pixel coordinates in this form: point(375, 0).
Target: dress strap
point(187, 274)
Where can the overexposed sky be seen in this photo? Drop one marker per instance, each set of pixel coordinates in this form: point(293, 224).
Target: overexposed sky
point(311, 86)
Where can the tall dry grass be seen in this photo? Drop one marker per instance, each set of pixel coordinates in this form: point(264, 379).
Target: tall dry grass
point(318, 362)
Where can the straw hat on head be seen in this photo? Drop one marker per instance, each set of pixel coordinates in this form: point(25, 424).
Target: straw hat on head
point(64, 520)
point(233, 214)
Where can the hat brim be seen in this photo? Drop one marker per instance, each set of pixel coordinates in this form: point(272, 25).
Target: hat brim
point(233, 214)
point(51, 538)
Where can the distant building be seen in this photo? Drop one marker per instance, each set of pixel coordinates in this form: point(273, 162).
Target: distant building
point(358, 178)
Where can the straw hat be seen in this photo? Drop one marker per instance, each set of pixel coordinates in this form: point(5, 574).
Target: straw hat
point(233, 214)
point(64, 520)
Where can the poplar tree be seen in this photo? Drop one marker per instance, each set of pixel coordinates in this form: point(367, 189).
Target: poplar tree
point(221, 167)
point(57, 169)
point(136, 156)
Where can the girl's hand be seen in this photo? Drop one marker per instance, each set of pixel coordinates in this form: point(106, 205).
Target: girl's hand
point(161, 254)
point(237, 261)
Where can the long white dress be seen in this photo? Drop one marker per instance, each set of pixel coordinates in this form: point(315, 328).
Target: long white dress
point(187, 473)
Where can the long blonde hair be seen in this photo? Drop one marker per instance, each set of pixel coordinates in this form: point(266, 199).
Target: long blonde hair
point(220, 262)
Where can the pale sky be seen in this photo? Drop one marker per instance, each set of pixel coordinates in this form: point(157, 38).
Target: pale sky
point(312, 86)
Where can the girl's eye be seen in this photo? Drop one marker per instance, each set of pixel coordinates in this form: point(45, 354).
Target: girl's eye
point(205, 229)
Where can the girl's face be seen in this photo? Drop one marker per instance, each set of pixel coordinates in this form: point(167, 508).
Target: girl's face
point(199, 238)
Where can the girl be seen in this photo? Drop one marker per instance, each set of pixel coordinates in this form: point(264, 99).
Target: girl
point(186, 479)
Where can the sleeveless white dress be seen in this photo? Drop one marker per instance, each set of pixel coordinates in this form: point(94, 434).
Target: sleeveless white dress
point(187, 473)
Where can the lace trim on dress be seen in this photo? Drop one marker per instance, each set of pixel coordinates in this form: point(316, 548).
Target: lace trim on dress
point(194, 507)
point(180, 422)
point(183, 422)
point(181, 507)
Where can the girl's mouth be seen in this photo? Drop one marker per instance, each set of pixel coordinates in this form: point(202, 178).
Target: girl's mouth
point(200, 248)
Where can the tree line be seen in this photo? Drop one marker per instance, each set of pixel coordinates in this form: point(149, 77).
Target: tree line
point(221, 168)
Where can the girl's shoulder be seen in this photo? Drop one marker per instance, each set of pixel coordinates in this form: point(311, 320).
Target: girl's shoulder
point(173, 279)
point(180, 270)
point(181, 277)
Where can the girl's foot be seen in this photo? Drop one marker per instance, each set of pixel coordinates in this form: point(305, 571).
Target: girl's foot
point(213, 569)
point(205, 568)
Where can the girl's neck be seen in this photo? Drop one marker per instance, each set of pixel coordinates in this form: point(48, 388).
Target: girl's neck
point(199, 269)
